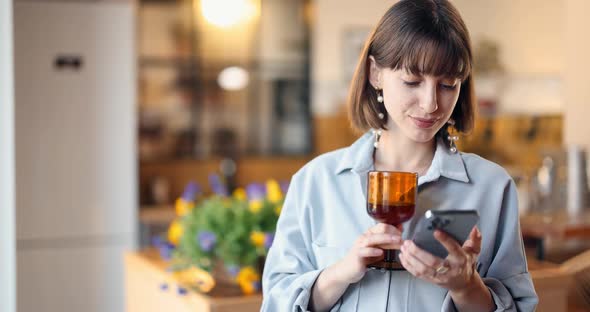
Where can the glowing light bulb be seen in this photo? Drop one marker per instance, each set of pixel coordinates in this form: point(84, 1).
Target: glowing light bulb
point(233, 78)
point(227, 13)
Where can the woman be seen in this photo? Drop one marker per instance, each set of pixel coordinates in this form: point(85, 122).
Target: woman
point(412, 85)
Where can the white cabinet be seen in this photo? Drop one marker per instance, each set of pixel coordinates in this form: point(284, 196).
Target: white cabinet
point(75, 128)
point(76, 175)
point(88, 279)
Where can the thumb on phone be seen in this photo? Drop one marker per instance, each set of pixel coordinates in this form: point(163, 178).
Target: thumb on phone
point(473, 243)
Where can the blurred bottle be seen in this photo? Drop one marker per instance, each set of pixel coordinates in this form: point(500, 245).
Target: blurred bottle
point(577, 180)
point(524, 192)
point(549, 184)
point(561, 183)
point(160, 190)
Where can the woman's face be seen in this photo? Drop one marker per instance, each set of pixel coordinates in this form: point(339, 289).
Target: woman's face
point(417, 105)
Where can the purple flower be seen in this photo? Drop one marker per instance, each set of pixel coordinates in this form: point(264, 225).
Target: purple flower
point(157, 240)
point(255, 191)
point(233, 270)
point(256, 285)
point(268, 239)
point(206, 240)
point(284, 186)
point(217, 186)
point(191, 191)
point(165, 249)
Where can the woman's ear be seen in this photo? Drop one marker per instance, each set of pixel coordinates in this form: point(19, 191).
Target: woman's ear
point(374, 73)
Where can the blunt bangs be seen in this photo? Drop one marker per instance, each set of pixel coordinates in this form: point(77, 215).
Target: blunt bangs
point(426, 39)
point(432, 56)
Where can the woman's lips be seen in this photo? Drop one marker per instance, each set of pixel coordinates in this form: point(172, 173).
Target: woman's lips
point(424, 123)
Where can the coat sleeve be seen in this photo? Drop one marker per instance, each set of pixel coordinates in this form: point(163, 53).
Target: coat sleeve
point(507, 277)
point(289, 271)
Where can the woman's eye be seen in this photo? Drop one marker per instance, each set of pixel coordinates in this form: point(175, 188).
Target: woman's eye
point(412, 83)
point(449, 87)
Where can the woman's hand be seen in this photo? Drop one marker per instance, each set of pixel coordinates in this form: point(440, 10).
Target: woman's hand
point(455, 273)
point(333, 280)
point(368, 248)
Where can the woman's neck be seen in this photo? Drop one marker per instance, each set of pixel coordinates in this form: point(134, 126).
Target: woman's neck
point(397, 152)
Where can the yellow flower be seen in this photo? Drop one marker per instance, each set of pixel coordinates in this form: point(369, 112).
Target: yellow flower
point(273, 191)
point(247, 288)
point(240, 194)
point(246, 279)
point(196, 277)
point(257, 238)
point(255, 206)
point(247, 274)
point(278, 209)
point(175, 232)
point(182, 206)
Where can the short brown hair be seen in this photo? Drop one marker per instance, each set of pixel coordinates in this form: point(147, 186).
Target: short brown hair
point(423, 37)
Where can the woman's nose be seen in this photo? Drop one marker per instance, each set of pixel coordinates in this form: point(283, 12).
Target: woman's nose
point(429, 100)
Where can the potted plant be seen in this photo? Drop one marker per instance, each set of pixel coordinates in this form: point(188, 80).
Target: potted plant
point(220, 241)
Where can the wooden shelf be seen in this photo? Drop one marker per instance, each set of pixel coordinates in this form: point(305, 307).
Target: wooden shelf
point(251, 169)
point(156, 215)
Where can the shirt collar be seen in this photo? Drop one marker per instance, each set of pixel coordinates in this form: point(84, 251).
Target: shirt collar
point(359, 158)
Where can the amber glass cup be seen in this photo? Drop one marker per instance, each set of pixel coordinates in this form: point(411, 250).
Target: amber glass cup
point(391, 199)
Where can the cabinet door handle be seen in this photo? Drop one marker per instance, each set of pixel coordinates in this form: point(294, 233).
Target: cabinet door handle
point(63, 62)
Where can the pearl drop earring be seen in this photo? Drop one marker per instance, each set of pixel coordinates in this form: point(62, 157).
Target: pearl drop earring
point(379, 96)
point(377, 135)
point(451, 137)
point(380, 100)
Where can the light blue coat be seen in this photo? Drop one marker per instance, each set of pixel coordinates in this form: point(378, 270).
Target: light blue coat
point(325, 212)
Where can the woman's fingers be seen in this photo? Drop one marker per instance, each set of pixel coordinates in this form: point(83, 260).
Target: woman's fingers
point(457, 257)
point(370, 252)
point(386, 228)
point(473, 243)
point(387, 241)
point(459, 264)
point(418, 253)
point(406, 263)
point(420, 269)
point(449, 243)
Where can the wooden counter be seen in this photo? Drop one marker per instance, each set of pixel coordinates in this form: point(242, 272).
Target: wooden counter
point(538, 227)
point(149, 288)
point(551, 284)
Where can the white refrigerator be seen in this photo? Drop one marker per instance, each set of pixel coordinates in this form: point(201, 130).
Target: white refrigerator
point(76, 160)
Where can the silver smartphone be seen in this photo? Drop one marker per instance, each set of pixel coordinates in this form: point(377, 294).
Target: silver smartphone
point(456, 223)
